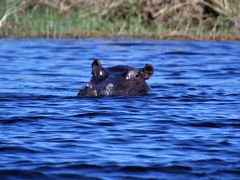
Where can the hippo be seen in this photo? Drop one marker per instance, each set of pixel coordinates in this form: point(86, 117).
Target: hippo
point(117, 81)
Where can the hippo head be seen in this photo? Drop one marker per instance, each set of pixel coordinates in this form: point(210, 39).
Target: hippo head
point(117, 81)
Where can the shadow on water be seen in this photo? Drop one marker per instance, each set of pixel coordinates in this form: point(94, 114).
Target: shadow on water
point(187, 127)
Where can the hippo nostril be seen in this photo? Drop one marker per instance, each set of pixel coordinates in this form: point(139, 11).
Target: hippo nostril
point(137, 75)
point(89, 86)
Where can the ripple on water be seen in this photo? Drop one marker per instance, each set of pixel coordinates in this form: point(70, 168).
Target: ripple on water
point(187, 127)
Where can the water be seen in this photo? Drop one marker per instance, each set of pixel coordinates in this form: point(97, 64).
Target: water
point(188, 127)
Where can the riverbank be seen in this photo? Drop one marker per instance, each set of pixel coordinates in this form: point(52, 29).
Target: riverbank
point(163, 19)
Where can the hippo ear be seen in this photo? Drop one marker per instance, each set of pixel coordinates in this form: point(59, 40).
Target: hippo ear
point(147, 71)
point(97, 70)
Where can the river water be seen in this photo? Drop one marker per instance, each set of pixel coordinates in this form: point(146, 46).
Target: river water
point(187, 127)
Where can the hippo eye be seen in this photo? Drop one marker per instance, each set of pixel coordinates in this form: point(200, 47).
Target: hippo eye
point(132, 74)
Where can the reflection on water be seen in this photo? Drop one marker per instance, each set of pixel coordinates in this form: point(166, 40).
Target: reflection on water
point(187, 127)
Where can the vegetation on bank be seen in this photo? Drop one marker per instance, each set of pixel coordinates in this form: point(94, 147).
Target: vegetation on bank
point(188, 19)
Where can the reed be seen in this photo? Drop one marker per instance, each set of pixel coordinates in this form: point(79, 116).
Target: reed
point(194, 19)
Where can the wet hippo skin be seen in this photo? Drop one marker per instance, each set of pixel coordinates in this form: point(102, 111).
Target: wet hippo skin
point(117, 81)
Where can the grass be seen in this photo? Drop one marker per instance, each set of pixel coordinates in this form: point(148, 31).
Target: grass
point(51, 23)
point(198, 19)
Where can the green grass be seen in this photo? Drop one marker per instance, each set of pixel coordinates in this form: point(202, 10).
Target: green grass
point(49, 22)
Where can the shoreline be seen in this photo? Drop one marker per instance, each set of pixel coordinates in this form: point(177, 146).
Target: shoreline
point(127, 35)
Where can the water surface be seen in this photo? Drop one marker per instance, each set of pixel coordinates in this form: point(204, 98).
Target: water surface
point(187, 127)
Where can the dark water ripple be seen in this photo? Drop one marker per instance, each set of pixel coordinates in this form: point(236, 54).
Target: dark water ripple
point(187, 127)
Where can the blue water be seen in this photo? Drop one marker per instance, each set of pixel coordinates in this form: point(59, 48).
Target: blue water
point(187, 127)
